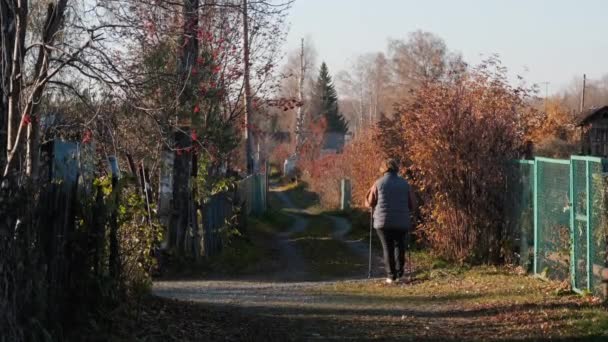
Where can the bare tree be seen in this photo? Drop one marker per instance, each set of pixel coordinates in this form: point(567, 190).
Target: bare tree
point(367, 88)
point(423, 57)
point(33, 56)
point(298, 78)
point(376, 82)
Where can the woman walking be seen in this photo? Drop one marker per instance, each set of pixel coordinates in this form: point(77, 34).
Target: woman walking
point(392, 200)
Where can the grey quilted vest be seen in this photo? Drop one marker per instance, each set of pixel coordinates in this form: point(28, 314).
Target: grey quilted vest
point(392, 210)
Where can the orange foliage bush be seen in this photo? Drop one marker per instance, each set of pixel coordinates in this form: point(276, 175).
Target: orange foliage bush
point(318, 171)
point(557, 122)
point(359, 162)
point(361, 159)
point(556, 135)
point(457, 136)
point(323, 176)
point(280, 153)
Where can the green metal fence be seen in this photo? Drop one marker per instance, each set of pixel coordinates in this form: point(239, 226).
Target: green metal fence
point(588, 223)
point(519, 207)
point(563, 202)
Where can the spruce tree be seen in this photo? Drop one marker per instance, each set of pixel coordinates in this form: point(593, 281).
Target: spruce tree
point(327, 99)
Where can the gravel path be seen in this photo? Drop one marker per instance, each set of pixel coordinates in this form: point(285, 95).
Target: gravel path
point(297, 268)
point(284, 293)
point(296, 306)
point(244, 293)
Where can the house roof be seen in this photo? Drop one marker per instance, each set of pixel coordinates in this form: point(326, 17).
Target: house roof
point(334, 140)
point(590, 114)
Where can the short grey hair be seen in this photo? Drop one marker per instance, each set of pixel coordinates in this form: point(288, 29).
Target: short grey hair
point(389, 165)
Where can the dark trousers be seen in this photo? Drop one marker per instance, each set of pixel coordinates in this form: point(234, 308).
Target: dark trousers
point(391, 238)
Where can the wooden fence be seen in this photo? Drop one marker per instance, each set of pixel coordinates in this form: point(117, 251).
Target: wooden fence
point(230, 208)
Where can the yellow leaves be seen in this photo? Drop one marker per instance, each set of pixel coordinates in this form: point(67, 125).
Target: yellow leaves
point(556, 121)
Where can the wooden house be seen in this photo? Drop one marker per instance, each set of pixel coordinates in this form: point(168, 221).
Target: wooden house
point(593, 124)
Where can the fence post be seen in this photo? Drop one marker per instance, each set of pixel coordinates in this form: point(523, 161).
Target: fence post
point(572, 227)
point(589, 260)
point(259, 194)
point(266, 185)
point(535, 216)
point(114, 256)
point(345, 194)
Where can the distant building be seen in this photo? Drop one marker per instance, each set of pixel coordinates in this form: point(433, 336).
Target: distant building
point(333, 142)
point(594, 131)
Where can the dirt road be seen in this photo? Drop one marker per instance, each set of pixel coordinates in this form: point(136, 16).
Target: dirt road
point(440, 305)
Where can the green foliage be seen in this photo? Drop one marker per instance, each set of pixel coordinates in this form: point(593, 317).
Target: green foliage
point(275, 172)
point(207, 184)
point(138, 234)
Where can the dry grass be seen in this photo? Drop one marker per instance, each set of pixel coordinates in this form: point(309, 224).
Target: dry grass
point(509, 304)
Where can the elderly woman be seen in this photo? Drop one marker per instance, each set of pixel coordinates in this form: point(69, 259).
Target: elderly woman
point(392, 200)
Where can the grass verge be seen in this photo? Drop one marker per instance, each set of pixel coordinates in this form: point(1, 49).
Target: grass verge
point(318, 227)
point(299, 194)
point(499, 298)
point(273, 221)
point(244, 255)
point(328, 258)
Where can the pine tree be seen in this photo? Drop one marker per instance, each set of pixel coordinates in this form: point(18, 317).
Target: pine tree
point(327, 102)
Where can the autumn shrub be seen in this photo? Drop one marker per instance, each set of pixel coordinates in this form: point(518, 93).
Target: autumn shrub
point(361, 159)
point(555, 135)
point(280, 153)
point(139, 235)
point(554, 147)
point(456, 137)
point(359, 162)
point(323, 177)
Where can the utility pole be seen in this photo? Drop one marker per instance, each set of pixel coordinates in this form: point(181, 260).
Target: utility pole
point(583, 94)
point(546, 94)
point(581, 112)
point(247, 90)
point(300, 113)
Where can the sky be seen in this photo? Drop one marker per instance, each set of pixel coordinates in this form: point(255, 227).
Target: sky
point(555, 41)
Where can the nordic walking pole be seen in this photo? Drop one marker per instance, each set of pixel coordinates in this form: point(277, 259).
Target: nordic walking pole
point(371, 227)
point(409, 254)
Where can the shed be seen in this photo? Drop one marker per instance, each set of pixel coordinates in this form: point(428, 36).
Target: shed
point(593, 123)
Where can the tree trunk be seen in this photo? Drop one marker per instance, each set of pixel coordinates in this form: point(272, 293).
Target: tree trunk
point(14, 77)
point(52, 24)
point(7, 41)
point(16, 41)
point(180, 208)
point(247, 90)
point(300, 114)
